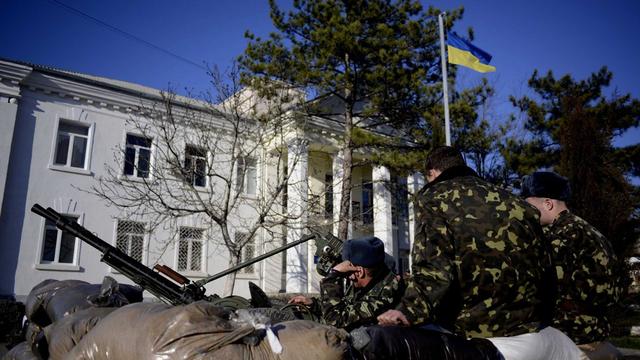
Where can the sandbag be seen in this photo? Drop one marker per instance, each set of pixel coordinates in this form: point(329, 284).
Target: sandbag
point(22, 351)
point(34, 336)
point(396, 342)
point(151, 331)
point(39, 297)
point(64, 334)
point(52, 300)
point(300, 339)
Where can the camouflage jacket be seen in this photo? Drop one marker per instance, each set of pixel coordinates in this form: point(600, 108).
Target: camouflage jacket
point(356, 307)
point(585, 265)
point(478, 259)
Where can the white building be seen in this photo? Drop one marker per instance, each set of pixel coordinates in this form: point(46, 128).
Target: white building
point(58, 129)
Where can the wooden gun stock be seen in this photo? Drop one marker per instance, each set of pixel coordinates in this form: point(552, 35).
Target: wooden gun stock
point(171, 274)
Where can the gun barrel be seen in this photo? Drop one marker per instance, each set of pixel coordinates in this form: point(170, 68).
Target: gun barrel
point(254, 260)
point(72, 227)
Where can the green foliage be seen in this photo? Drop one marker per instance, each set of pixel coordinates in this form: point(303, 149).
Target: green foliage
point(570, 129)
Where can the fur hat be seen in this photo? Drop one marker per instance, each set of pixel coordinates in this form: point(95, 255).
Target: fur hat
point(546, 184)
point(365, 251)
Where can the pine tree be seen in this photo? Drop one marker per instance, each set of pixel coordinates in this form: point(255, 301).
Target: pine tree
point(571, 128)
point(372, 63)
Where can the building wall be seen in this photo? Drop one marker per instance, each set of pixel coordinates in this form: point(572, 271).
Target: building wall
point(8, 112)
point(33, 179)
point(28, 133)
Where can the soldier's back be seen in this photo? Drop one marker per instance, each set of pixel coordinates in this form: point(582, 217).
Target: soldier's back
point(498, 254)
point(587, 281)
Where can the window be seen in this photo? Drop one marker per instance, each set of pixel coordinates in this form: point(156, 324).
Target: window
point(195, 164)
point(58, 247)
point(130, 238)
point(71, 144)
point(137, 156)
point(248, 251)
point(246, 177)
point(328, 196)
point(190, 249)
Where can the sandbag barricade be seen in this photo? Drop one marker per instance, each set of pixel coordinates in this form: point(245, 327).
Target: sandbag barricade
point(300, 339)
point(22, 351)
point(52, 300)
point(416, 343)
point(202, 330)
point(34, 336)
point(152, 331)
point(63, 335)
point(40, 296)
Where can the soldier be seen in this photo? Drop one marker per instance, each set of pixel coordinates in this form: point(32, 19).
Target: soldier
point(583, 258)
point(478, 256)
point(373, 287)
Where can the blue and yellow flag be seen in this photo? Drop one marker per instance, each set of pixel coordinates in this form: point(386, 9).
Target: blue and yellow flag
point(462, 52)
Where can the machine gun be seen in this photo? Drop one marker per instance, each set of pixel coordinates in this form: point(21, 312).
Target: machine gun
point(177, 291)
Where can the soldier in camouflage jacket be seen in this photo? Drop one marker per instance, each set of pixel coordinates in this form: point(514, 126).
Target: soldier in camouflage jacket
point(358, 289)
point(478, 257)
point(583, 258)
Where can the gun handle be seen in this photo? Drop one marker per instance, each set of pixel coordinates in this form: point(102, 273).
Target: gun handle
point(172, 274)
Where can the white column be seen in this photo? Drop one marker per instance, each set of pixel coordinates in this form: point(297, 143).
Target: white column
point(297, 193)
point(382, 221)
point(415, 182)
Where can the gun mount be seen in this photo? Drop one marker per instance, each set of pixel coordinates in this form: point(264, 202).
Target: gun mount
point(329, 253)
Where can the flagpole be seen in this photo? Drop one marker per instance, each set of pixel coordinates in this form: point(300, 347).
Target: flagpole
point(447, 124)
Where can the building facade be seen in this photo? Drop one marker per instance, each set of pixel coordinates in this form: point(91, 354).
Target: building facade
point(60, 130)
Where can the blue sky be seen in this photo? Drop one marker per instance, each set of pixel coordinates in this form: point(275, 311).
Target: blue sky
point(567, 36)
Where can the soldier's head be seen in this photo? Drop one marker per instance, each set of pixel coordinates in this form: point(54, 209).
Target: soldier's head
point(367, 255)
point(441, 159)
point(548, 192)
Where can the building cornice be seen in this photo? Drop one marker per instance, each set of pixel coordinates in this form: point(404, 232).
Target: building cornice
point(89, 92)
point(101, 93)
point(11, 75)
point(97, 91)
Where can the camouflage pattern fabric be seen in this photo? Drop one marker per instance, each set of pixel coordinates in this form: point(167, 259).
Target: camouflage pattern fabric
point(357, 306)
point(585, 264)
point(478, 259)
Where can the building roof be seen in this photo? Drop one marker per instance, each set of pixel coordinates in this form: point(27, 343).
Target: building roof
point(120, 86)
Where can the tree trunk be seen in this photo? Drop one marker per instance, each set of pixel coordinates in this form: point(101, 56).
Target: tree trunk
point(345, 192)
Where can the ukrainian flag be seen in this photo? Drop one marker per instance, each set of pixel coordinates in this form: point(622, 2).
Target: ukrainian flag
point(462, 52)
